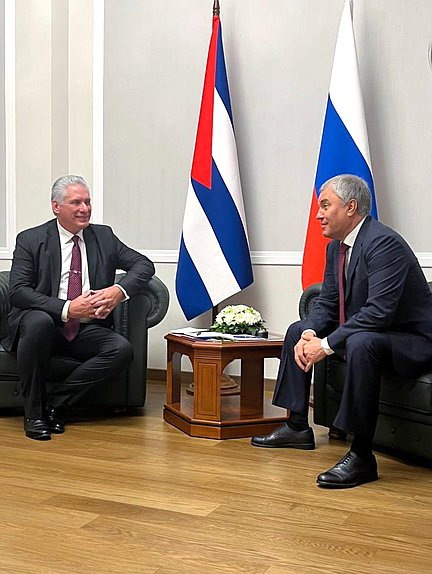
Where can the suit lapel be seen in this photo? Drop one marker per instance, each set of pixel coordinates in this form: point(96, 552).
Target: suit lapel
point(54, 254)
point(356, 250)
point(91, 249)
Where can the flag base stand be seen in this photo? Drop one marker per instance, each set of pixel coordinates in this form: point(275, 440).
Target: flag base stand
point(228, 386)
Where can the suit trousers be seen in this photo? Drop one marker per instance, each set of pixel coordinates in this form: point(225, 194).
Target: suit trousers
point(103, 354)
point(367, 354)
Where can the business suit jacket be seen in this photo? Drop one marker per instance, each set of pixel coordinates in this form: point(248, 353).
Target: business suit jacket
point(386, 291)
point(36, 268)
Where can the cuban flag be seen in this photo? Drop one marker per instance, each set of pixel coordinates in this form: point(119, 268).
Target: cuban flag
point(344, 142)
point(214, 259)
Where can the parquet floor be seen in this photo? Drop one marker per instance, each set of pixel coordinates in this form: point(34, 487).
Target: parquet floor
point(132, 495)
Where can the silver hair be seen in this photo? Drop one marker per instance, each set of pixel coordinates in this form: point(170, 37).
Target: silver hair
point(58, 190)
point(348, 187)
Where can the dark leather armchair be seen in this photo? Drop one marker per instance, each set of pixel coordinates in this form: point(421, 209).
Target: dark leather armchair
point(405, 409)
point(132, 319)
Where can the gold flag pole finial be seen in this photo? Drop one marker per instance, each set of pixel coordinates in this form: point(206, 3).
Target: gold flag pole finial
point(216, 8)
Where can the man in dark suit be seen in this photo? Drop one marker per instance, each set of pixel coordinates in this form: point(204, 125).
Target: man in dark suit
point(62, 293)
point(381, 319)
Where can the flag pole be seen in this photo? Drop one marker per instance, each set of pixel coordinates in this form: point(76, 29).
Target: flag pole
point(216, 14)
point(215, 311)
point(230, 269)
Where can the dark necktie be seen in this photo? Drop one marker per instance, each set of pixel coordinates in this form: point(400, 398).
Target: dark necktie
point(71, 328)
point(343, 248)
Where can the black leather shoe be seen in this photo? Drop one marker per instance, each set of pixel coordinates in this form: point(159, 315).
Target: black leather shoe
point(350, 471)
point(337, 434)
point(55, 423)
point(37, 429)
point(286, 437)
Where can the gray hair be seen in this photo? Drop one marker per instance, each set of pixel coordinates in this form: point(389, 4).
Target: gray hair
point(348, 187)
point(58, 190)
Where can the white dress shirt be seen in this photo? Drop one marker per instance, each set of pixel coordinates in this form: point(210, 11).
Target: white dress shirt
point(349, 240)
point(66, 245)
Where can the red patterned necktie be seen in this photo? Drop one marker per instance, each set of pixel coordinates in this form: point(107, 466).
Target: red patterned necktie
point(71, 328)
point(343, 248)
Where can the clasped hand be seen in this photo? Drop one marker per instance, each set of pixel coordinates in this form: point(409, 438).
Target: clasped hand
point(308, 351)
point(96, 304)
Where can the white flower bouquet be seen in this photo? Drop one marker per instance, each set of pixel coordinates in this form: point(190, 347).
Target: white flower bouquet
point(238, 319)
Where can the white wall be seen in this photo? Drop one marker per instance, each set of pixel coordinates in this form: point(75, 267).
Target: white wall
point(147, 89)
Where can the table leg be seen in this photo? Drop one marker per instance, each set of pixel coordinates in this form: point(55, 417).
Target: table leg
point(252, 385)
point(173, 390)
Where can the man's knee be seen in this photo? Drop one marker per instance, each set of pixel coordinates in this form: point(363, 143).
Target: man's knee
point(36, 325)
point(294, 331)
point(127, 352)
point(122, 353)
point(367, 342)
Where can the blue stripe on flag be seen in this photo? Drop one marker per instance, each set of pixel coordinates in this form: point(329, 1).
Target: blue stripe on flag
point(227, 225)
point(221, 80)
point(191, 292)
point(339, 154)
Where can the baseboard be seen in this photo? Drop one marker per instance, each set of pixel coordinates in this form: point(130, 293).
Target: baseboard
point(156, 375)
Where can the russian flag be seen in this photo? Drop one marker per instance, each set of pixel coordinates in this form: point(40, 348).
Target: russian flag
point(344, 142)
point(214, 259)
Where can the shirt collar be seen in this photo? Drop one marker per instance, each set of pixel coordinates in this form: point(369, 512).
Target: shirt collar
point(66, 236)
point(352, 235)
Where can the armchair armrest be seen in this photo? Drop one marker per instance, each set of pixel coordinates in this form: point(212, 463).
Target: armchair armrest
point(4, 303)
point(158, 295)
point(132, 319)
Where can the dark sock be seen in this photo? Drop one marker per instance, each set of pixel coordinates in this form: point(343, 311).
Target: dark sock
point(362, 446)
point(297, 421)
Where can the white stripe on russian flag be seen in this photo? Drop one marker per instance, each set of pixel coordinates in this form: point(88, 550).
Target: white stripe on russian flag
point(345, 90)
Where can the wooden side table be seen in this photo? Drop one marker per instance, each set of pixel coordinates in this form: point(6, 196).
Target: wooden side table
point(208, 413)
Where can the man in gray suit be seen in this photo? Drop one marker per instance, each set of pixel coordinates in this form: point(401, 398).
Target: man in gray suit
point(374, 310)
point(62, 292)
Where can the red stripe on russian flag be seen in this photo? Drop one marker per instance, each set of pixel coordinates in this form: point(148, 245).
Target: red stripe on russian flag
point(315, 248)
point(202, 159)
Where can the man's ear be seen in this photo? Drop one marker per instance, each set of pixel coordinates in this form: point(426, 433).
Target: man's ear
point(54, 206)
point(352, 207)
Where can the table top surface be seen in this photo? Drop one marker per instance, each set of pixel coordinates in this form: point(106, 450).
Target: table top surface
point(274, 339)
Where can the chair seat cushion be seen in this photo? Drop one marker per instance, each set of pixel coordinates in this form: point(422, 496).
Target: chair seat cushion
point(8, 366)
point(410, 394)
point(59, 369)
point(413, 395)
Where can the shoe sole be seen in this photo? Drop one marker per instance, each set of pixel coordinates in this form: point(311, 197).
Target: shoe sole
point(38, 437)
point(56, 431)
point(347, 485)
point(305, 446)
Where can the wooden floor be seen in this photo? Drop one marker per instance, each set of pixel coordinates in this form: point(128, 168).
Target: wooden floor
point(133, 495)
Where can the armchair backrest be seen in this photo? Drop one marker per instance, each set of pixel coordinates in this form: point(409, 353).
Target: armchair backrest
point(308, 299)
point(310, 296)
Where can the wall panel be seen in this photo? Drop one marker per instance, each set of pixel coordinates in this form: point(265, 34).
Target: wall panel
point(279, 56)
point(3, 205)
